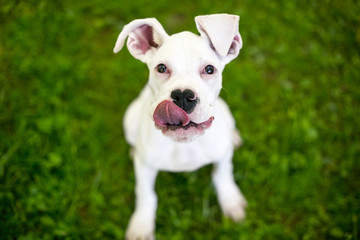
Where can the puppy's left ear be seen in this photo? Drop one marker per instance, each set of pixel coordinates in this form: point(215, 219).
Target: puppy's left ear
point(222, 30)
point(145, 36)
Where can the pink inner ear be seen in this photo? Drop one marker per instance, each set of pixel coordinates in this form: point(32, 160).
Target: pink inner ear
point(235, 43)
point(142, 39)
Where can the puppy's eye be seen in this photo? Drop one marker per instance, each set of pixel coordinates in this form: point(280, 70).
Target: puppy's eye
point(209, 69)
point(161, 68)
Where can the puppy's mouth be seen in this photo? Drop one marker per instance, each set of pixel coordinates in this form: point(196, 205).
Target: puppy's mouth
point(169, 117)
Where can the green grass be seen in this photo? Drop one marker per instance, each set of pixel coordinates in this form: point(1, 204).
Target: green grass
point(65, 171)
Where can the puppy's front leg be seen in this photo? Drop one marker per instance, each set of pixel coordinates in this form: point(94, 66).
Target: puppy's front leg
point(231, 200)
point(142, 222)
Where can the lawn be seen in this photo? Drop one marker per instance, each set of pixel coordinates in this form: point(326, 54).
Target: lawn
point(65, 170)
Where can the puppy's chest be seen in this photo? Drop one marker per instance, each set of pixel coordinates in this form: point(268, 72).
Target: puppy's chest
point(180, 157)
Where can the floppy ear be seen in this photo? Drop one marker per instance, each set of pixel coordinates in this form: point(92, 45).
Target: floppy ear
point(145, 37)
point(222, 30)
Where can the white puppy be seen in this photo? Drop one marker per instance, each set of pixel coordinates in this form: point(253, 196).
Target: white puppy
point(178, 122)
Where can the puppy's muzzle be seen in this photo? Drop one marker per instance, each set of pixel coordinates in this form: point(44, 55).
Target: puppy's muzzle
point(174, 115)
point(176, 112)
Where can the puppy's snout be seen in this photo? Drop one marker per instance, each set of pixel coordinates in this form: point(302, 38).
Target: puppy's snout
point(186, 99)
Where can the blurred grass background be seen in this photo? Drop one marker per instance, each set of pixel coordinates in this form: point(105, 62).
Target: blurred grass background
point(65, 171)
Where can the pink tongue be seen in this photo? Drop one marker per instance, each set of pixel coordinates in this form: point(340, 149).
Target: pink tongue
point(168, 113)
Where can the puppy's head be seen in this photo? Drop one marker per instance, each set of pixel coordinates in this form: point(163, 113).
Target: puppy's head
point(185, 70)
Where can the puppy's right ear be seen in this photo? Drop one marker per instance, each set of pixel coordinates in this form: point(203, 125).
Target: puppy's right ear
point(222, 30)
point(145, 37)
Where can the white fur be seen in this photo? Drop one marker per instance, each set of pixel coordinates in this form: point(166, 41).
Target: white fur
point(185, 55)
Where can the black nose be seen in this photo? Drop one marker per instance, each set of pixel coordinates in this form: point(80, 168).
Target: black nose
point(185, 100)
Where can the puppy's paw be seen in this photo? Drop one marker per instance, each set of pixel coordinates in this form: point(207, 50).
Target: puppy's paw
point(234, 205)
point(140, 228)
point(235, 211)
point(237, 140)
